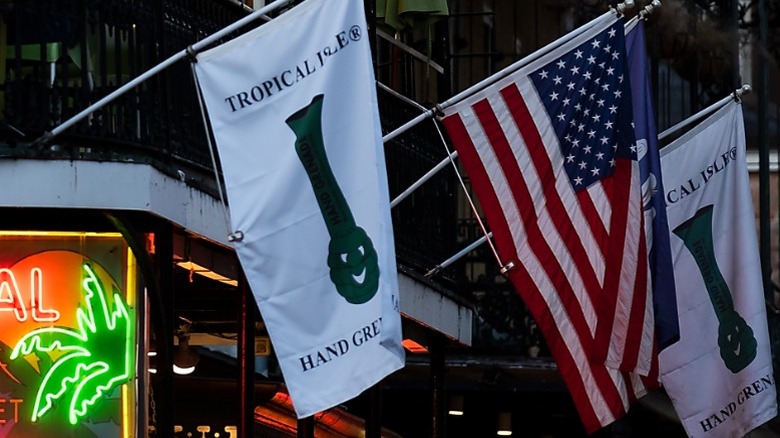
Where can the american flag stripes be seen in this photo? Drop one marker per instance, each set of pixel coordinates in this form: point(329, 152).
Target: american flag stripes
point(551, 155)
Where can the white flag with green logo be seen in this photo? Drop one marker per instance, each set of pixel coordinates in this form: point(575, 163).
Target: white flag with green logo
point(293, 108)
point(719, 375)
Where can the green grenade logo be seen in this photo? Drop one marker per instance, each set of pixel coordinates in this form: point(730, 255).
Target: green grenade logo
point(735, 337)
point(352, 259)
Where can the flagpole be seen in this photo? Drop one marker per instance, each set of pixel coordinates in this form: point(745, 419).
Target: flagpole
point(642, 15)
point(736, 96)
point(409, 125)
point(647, 10)
point(190, 51)
point(450, 159)
point(442, 164)
point(459, 254)
point(501, 74)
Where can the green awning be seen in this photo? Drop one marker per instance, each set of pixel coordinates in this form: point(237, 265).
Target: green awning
point(410, 14)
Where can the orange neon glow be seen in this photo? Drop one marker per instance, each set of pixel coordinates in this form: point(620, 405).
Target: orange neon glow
point(56, 268)
point(278, 413)
point(128, 391)
point(413, 346)
point(92, 235)
point(40, 279)
point(200, 270)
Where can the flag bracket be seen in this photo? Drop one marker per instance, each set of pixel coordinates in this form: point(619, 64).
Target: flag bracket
point(507, 267)
point(438, 111)
point(647, 10)
point(621, 7)
point(238, 236)
point(40, 143)
point(433, 271)
point(191, 53)
point(741, 91)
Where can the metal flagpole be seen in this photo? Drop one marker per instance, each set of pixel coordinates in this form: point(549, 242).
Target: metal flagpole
point(409, 125)
point(442, 164)
point(619, 8)
point(459, 254)
point(449, 159)
point(452, 155)
point(736, 95)
point(189, 51)
point(530, 58)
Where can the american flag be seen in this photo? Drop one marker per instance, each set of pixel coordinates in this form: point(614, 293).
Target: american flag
point(551, 155)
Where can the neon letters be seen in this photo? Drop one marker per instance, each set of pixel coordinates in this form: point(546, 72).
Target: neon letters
point(11, 299)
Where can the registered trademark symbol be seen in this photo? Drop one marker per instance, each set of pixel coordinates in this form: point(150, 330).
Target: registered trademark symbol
point(354, 33)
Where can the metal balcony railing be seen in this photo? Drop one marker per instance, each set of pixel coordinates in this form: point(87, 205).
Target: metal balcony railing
point(58, 57)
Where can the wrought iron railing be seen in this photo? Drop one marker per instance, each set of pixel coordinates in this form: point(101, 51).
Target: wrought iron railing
point(58, 57)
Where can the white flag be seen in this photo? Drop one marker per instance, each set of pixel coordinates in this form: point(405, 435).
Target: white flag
point(293, 108)
point(719, 375)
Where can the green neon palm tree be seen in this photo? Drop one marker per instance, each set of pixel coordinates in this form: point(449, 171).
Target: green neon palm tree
point(91, 363)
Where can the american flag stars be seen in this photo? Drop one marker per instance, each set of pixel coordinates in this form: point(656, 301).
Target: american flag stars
point(583, 92)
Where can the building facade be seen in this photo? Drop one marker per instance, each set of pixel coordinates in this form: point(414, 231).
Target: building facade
point(122, 217)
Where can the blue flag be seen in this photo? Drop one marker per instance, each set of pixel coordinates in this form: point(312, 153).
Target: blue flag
point(656, 226)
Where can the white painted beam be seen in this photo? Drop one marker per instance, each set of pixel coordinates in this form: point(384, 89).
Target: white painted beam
point(141, 187)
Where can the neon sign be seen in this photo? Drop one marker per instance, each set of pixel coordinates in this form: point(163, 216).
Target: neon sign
point(67, 337)
point(12, 300)
point(89, 366)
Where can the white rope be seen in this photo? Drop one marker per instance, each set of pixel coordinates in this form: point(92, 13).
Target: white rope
point(206, 125)
point(504, 267)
